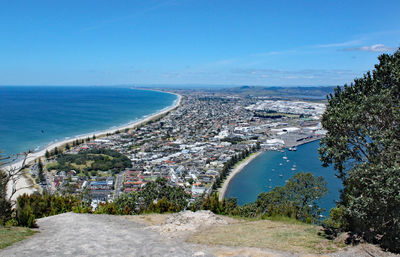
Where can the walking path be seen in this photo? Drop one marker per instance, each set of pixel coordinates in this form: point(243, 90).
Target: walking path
point(71, 234)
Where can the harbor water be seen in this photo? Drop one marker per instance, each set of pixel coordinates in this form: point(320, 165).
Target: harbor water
point(273, 168)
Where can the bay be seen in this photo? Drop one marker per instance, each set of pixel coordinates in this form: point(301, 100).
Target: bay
point(273, 168)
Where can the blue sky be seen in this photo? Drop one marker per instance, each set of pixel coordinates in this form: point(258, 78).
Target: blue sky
point(268, 43)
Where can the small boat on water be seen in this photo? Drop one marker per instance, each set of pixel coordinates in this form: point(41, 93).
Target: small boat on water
point(294, 148)
point(280, 164)
point(284, 157)
point(293, 169)
point(280, 175)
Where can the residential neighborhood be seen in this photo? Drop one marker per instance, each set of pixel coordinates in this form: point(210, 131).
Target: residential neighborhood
point(189, 146)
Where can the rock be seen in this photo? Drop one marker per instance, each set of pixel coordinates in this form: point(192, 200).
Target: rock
point(199, 254)
point(187, 221)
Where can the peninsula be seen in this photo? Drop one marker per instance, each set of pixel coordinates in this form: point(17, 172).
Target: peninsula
point(188, 144)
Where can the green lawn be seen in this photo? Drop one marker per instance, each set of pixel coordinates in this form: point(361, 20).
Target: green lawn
point(10, 235)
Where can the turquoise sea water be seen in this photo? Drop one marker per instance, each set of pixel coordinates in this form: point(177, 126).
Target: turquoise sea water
point(270, 169)
point(31, 117)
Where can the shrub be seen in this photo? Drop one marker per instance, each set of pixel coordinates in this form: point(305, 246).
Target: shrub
point(24, 216)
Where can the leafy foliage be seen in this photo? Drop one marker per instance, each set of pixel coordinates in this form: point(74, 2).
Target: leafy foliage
point(5, 204)
point(336, 221)
point(232, 140)
point(224, 207)
point(296, 199)
point(363, 144)
point(31, 207)
point(157, 196)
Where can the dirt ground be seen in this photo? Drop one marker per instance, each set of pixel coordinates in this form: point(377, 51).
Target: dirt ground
point(73, 234)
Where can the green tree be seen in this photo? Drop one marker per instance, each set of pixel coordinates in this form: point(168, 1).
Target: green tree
point(297, 199)
point(55, 151)
point(8, 180)
point(40, 170)
point(304, 190)
point(363, 144)
point(5, 204)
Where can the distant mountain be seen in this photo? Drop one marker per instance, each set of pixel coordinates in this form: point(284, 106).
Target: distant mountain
point(314, 93)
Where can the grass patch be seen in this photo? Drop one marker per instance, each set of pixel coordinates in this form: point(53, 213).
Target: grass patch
point(51, 165)
point(285, 235)
point(285, 219)
point(10, 235)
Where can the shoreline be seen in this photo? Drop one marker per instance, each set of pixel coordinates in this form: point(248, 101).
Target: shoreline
point(222, 190)
point(234, 172)
point(25, 181)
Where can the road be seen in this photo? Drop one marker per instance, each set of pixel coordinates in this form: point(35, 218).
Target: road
point(118, 184)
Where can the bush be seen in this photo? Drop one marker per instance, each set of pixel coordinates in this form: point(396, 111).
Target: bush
point(336, 223)
point(35, 206)
point(12, 222)
point(25, 217)
point(106, 208)
point(5, 211)
point(82, 208)
point(5, 205)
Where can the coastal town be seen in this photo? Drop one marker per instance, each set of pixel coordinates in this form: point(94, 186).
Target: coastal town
point(188, 146)
point(200, 128)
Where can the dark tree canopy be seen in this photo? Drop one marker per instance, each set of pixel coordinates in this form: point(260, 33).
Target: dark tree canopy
point(363, 144)
point(102, 160)
point(297, 198)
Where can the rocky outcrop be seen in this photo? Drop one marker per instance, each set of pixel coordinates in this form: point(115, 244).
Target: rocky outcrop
point(178, 224)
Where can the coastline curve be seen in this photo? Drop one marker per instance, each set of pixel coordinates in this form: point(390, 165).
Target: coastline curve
point(234, 172)
point(24, 184)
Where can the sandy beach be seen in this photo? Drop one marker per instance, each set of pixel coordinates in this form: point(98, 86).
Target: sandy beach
point(233, 173)
point(25, 182)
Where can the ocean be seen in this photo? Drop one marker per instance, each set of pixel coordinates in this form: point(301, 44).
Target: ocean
point(32, 117)
point(272, 168)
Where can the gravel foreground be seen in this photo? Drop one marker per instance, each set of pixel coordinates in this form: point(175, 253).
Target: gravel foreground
point(71, 234)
